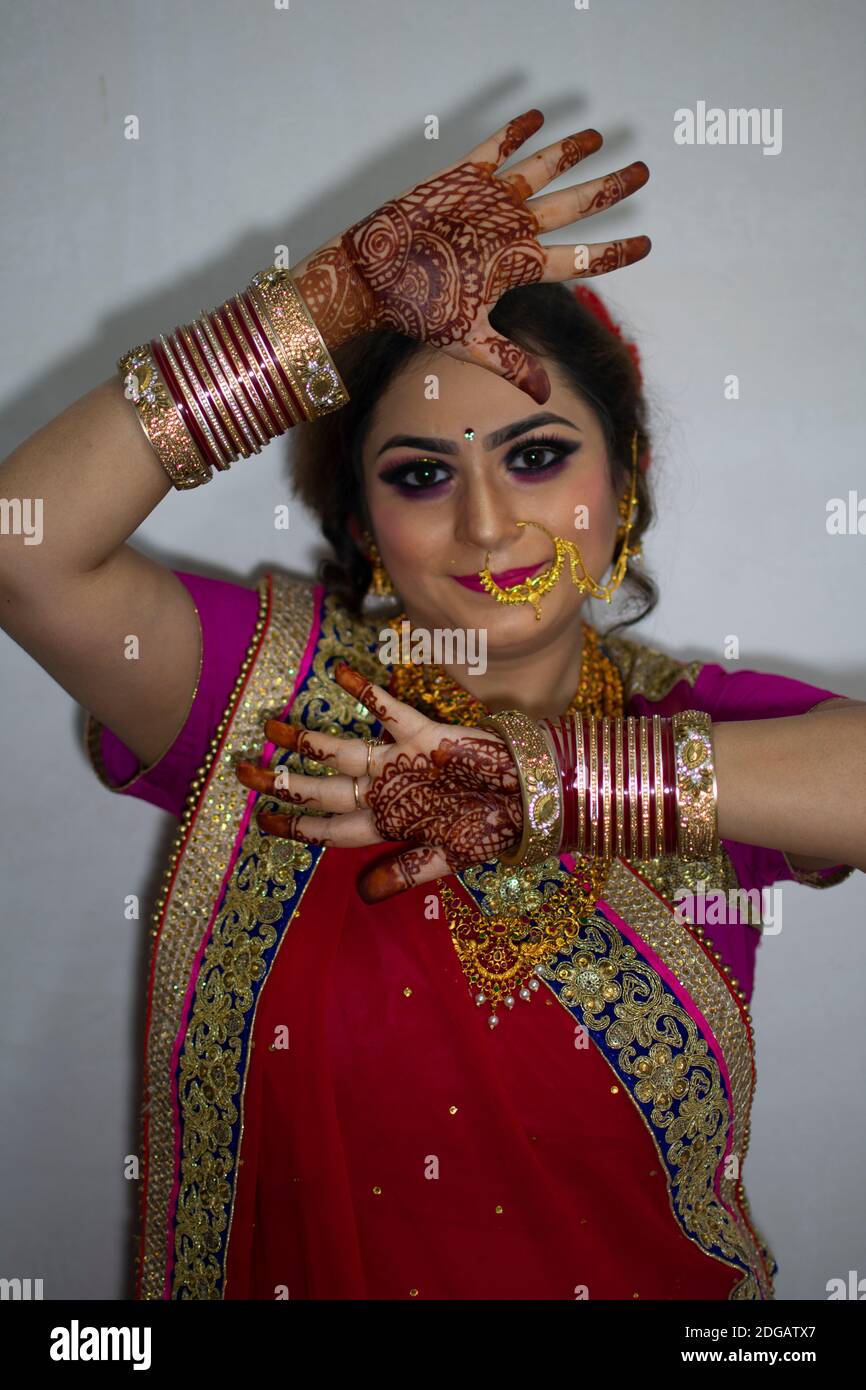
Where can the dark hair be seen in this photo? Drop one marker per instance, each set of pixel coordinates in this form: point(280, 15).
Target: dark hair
point(546, 319)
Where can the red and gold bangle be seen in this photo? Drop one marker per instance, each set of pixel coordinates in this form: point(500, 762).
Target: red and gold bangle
point(207, 378)
point(696, 791)
point(247, 393)
point(219, 389)
point(532, 748)
point(181, 402)
point(229, 384)
point(640, 787)
point(299, 344)
point(199, 402)
point(267, 345)
point(163, 423)
point(619, 783)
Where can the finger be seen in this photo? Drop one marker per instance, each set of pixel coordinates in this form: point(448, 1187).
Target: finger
point(571, 204)
point(536, 170)
point(321, 793)
point(581, 260)
point(402, 721)
point(348, 755)
point(402, 871)
point(343, 832)
point(504, 358)
point(493, 152)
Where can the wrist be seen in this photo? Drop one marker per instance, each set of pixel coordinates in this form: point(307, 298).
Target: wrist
point(339, 302)
point(222, 387)
point(639, 787)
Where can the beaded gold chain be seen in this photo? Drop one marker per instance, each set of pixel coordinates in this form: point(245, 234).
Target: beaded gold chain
point(430, 689)
point(499, 954)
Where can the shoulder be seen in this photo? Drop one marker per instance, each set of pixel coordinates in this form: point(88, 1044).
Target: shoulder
point(648, 672)
point(725, 692)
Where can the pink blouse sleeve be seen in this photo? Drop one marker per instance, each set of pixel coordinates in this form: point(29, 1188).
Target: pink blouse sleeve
point(227, 616)
point(728, 695)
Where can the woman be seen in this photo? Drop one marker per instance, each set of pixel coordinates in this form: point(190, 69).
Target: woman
point(328, 1112)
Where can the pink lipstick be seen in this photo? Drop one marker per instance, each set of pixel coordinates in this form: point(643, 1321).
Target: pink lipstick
point(505, 579)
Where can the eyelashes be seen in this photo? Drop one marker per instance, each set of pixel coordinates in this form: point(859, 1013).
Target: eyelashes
point(400, 475)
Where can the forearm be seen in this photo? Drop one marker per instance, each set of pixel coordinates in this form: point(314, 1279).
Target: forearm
point(796, 784)
point(647, 787)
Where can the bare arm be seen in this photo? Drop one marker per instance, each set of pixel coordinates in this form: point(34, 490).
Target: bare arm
point(797, 784)
point(73, 599)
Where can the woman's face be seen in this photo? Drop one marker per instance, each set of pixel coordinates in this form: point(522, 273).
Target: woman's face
point(439, 500)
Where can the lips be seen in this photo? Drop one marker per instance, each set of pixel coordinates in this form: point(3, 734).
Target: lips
point(505, 578)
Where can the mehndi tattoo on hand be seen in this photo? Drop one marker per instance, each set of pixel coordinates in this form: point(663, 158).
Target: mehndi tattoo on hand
point(462, 797)
point(434, 261)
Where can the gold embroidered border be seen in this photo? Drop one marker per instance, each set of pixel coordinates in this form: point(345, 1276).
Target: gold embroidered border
point(214, 1064)
point(704, 981)
point(211, 821)
point(663, 1059)
point(646, 671)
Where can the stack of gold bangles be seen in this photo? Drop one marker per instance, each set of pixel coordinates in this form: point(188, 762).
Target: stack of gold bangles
point(639, 787)
point(220, 388)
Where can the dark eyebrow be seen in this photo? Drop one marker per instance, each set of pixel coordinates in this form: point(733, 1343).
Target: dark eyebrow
point(493, 441)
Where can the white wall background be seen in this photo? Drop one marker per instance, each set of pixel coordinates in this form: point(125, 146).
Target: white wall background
point(261, 127)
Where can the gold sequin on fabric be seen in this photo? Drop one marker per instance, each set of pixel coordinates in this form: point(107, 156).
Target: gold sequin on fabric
point(498, 954)
point(672, 875)
point(323, 704)
point(214, 1061)
point(706, 980)
point(812, 878)
point(199, 859)
point(646, 671)
point(656, 1049)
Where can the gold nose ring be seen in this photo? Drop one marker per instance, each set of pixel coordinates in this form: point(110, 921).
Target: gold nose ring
point(530, 590)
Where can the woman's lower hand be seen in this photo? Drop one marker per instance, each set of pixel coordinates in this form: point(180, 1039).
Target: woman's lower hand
point(434, 261)
point(451, 792)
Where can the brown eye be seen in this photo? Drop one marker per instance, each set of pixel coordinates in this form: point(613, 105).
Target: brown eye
point(419, 475)
point(541, 454)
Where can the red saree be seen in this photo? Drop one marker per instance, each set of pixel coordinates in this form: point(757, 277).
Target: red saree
point(327, 1113)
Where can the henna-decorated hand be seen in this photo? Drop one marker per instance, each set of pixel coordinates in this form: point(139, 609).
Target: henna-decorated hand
point(434, 261)
point(451, 792)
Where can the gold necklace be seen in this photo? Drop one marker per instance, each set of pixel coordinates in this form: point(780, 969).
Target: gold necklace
point(499, 954)
point(430, 689)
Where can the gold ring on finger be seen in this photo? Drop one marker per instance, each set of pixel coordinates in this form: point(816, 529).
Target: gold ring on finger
point(371, 744)
point(357, 795)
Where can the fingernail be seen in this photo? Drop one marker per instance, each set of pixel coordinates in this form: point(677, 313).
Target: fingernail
point(370, 887)
point(284, 735)
point(350, 679)
point(537, 383)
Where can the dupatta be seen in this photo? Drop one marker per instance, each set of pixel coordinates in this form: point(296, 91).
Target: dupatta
point(646, 986)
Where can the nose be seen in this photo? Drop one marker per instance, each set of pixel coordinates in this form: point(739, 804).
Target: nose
point(484, 517)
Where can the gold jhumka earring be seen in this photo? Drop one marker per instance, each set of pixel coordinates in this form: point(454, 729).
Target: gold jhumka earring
point(381, 596)
point(532, 590)
point(380, 582)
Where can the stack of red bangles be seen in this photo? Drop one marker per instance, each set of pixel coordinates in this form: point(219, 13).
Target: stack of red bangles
point(218, 389)
point(638, 787)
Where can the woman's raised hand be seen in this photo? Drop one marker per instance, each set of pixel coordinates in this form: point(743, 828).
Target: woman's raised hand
point(452, 793)
point(433, 262)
